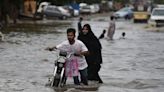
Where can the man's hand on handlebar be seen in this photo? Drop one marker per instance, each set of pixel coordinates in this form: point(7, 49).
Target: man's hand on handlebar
point(50, 49)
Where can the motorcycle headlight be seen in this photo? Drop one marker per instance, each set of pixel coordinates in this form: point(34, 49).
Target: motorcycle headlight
point(62, 60)
point(60, 65)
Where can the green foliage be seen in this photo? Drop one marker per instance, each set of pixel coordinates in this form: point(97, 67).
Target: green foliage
point(159, 1)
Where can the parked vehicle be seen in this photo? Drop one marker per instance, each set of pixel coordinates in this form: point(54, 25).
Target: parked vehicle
point(125, 12)
point(85, 9)
point(64, 11)
point(76, 8)
point(157, 17)
point(140, 14)
point(54, 11)
point(69, 9)
point(141, 11)
point(95, 8)
point(42, 6)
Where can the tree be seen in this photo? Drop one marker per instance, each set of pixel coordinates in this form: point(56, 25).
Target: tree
point(158, 1)
point(9, 8)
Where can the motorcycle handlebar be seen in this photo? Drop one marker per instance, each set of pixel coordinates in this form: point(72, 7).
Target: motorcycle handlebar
point(63, 53)
point(49, 49)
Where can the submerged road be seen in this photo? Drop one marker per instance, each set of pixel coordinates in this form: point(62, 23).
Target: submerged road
point(133, 64)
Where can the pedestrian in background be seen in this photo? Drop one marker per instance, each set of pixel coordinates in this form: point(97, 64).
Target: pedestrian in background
point(102, 34)
point(122, 35)
point(79, 24)
point(94, 59)
point(111, 29)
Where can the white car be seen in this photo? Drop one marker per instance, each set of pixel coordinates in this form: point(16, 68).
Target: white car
point(42, 6)
point(85, 9)
point(157, 17)
point(95, 8)
point(64, 11)
point(126, 12)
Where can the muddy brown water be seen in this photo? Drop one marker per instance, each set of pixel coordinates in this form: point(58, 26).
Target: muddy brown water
point(133, 64)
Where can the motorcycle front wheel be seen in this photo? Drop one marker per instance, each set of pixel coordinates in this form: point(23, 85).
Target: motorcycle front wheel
point(56, 81)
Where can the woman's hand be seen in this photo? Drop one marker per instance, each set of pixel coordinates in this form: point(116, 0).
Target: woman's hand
point(77, 54)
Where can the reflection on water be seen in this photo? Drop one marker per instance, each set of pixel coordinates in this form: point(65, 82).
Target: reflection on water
point(134, 64)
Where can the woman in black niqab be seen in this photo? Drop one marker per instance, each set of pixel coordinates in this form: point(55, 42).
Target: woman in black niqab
point(94, 59)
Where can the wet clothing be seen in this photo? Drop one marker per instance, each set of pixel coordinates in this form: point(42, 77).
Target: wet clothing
point(74, 63)
point(94, 69)
point(78, 46)
point(84, 76)
point(94, 59)
point(71, 67)
point(111, 30)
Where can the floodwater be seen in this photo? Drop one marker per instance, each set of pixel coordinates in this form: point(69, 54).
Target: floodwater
point(133, 64)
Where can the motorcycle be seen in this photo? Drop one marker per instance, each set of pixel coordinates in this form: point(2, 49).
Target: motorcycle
point(59, 79)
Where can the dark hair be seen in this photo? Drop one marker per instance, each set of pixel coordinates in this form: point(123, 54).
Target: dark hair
point(104, 31)
point(71, 30)
point(123, 33)
point(81, 18)
point(112, 17)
